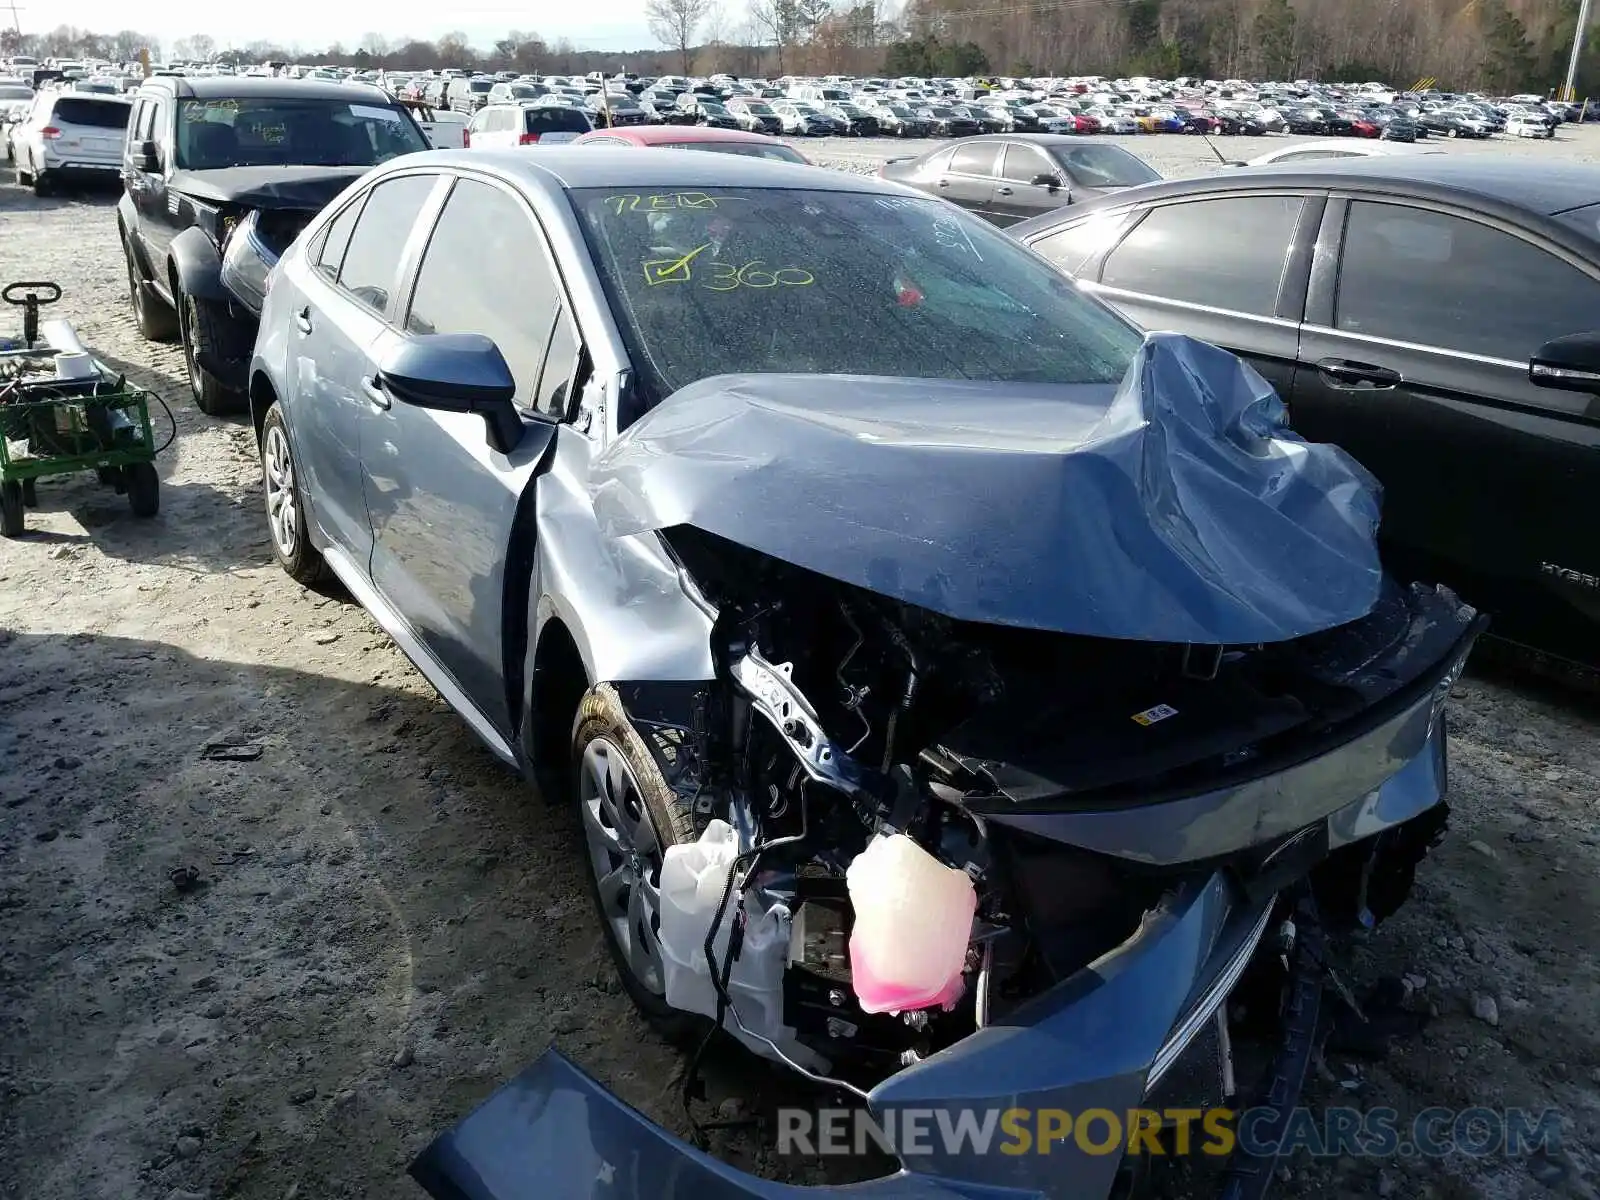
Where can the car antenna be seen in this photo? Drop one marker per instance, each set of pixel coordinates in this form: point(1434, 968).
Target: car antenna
point(1206, 134)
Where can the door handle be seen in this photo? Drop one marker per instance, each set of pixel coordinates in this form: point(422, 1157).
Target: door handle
point(944, 183)
point(1004, 191)
point(302, 319)
point(376, 396)
point(1348, 372)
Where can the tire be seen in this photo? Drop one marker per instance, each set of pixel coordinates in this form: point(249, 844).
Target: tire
point(155, 321)
point(42, 185)
point(286, 509)
point(602, 729)
point(11, 518)
point(206, 330)
point(144, 488)
point(1452, 133)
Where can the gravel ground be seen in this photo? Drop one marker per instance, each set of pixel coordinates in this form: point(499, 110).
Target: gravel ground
point(388, 926)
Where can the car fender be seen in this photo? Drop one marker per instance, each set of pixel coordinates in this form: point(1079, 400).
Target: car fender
point(193, 258)
point(128, 226)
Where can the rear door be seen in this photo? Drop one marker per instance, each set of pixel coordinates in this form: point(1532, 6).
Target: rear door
point(348, 298)
point(1229, 269)
point(969, 179)
point(1414, 358)
point(444, 504)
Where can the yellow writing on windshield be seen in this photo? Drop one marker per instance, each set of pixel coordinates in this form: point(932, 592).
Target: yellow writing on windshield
point(663, 201)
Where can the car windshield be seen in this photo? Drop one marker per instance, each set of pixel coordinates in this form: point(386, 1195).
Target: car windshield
point(16, 93)
point(282, 130)
point(776, 151)
point(757, 107)
point(1104, 166)
point(711, 106)
point(718, 281)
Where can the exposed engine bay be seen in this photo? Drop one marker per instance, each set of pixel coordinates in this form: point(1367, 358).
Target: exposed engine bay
point(874, 785)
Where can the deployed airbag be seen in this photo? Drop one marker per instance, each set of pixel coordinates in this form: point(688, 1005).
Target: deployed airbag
point(1178, 507)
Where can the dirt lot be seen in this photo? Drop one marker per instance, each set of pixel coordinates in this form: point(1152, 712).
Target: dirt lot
point(390, 926)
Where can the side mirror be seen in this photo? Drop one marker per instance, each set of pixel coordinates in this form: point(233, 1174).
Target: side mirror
point(1047, 179)
point(1571, 364)
point(147, 157)
point(456, 372)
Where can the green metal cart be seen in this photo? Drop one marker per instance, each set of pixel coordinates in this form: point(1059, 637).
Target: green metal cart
point(63, 411)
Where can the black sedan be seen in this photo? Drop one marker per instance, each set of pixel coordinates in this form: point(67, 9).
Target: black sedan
point(1433, 315)
point(1010, 177)
point(947, 122)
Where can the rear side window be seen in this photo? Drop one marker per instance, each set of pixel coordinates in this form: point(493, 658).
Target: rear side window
point(486, 271)
point(554, 120)
point(373, 256)
point(976, 158)
point(1440, 280)
point(95, 114)
point(1225, 253)
point(335, 240)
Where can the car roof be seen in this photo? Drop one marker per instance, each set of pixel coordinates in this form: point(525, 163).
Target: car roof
point(1545, 188)
point(651, 135)
point(1486, 181)
point(227, 87)
point(571, 165)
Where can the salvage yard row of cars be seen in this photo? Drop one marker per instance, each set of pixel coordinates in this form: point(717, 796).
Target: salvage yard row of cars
point(962, 694)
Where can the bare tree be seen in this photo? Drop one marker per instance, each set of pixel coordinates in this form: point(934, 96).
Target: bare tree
point(203, 46)
point(776, 22)
point(674, 23)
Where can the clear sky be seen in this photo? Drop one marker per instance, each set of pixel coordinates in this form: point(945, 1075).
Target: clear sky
point(590, 24)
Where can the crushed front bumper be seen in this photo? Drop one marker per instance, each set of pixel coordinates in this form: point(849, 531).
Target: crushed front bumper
point(1101, 1039)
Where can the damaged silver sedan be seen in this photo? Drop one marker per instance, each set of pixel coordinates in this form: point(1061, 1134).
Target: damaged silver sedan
point(961, 694)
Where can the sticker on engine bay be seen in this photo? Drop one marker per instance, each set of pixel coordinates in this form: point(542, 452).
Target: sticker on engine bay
point(1151, 715)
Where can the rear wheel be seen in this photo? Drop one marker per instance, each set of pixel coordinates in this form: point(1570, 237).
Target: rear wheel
point(629, 816)
point(154, 320)
point(42, 185)
point(286, 511)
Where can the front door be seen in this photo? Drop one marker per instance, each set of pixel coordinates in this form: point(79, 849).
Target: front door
point(1016, 196)
point(445, 506)
point(1414, 358)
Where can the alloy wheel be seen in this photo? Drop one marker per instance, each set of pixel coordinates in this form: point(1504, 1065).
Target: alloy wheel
point(283, 513)
point(625, 855)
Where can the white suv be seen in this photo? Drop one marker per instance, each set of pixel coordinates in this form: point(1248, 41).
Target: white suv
point(71, 135)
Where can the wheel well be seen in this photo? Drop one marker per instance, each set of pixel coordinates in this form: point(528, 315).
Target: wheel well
point(262, 397)
point(558, 687)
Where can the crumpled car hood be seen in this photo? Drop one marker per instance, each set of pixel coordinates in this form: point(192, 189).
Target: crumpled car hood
point(267, 187)
point(1178, 507)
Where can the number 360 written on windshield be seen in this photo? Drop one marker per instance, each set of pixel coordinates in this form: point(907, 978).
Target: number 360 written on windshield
point(725, 276)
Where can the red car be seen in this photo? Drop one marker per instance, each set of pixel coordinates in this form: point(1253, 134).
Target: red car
point(695, 137)
point(1085, 123)
point(1362, 127)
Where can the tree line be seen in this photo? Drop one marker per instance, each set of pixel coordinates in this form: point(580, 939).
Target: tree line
point(1498, 46)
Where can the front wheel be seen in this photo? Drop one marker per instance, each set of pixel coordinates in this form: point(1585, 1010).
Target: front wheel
point(144, 488)
point(208, 333)
point(12, 522)
point(629, 816)
point(286, 510)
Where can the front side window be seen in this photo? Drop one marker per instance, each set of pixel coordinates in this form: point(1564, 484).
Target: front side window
point(372, 257)
point(486, 271)
point(707, 282)
point(1224, 253)
point(281, 131)
point(1427, 277)
point(1024, 164)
